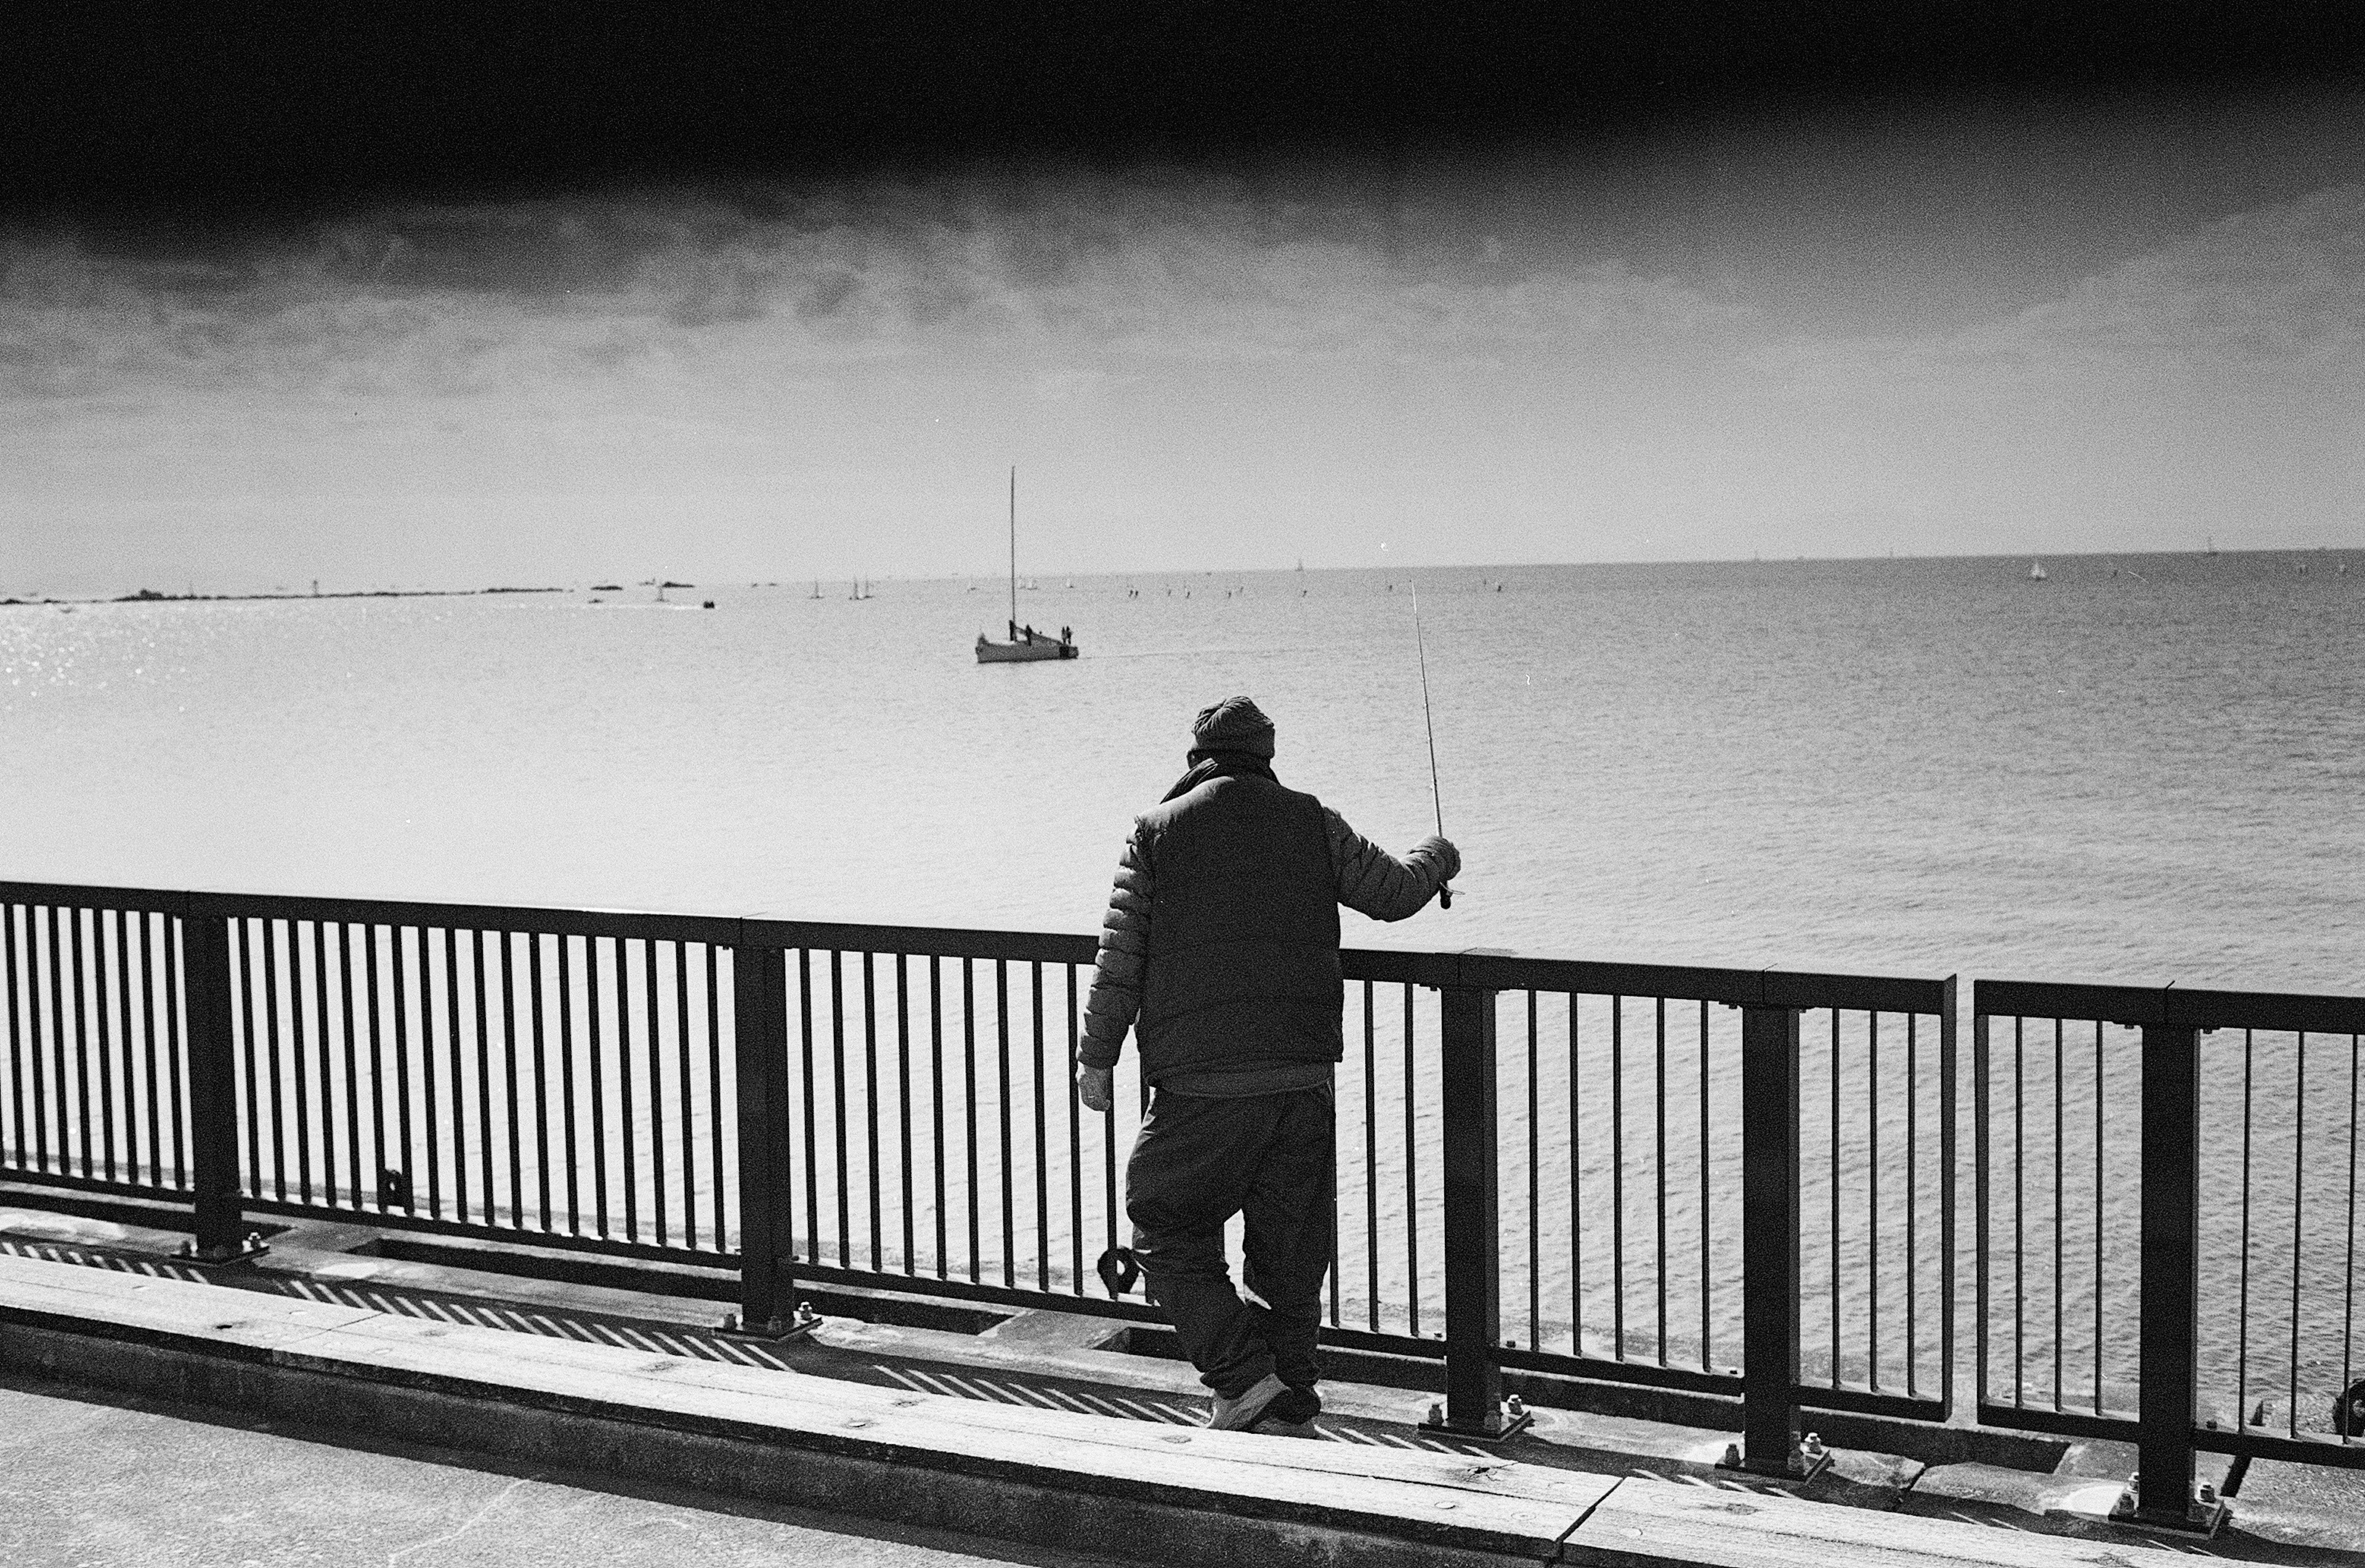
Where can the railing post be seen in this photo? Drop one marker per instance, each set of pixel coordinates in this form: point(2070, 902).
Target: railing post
point(1770, 1239)
point(760, 1060)
point(2171, 1263)
point(221, 1233)
point(1473, 1371)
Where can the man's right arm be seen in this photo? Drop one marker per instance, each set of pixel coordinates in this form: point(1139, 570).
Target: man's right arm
point(1374, 883)
point(1115, 1001)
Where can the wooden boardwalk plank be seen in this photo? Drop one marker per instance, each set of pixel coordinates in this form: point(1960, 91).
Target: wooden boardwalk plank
point(1653, 1524)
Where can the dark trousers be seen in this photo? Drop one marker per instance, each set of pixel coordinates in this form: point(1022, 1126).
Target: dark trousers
point(1197, 1161)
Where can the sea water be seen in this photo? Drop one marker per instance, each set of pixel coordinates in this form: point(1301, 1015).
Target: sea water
point(2141, 769)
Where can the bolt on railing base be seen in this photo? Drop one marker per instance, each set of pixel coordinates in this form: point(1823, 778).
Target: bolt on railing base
point(1805, 1461)
point(2203, 1514)
point(1510, 1418)
point(251, 1246)
point(773, 1331)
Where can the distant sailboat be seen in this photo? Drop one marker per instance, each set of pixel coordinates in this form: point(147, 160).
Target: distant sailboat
point(1027, 646)
point(2036, 571)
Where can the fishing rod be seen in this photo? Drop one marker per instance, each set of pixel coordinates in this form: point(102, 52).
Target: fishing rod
point(1444, 893)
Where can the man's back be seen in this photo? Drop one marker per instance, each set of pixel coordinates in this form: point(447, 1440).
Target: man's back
point(1244, 965)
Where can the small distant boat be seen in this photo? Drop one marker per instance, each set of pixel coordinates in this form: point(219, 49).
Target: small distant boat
point(816, 592)
point(2036, 571)
point(606, 588)
point(1027, 646)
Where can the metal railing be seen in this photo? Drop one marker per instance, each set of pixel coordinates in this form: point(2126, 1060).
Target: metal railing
point(1734, 1182)
point(2147, 1189)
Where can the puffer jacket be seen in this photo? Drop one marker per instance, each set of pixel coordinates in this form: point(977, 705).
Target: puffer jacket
point(1363, 876)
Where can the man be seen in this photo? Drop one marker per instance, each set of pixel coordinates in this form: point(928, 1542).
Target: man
point(1221, 953)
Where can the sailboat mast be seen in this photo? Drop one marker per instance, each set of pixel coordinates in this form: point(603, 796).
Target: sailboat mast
point(1013, 550)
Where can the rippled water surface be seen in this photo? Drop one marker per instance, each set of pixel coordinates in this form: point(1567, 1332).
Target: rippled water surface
point(2143, 769)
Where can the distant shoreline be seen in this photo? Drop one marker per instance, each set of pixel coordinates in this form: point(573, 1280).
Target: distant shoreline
point(149, 596)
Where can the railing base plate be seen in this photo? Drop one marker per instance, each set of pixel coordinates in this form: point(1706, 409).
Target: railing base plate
point(2202, 1517)
point(777, 1331)
point(254, 1247)
point(1508, 1425)
point(1800, 1468)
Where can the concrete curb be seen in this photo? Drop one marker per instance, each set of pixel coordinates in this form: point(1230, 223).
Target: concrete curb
point(1050, 1477)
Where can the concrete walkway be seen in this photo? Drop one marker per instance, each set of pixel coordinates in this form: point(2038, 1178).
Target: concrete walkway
point(110, 1480)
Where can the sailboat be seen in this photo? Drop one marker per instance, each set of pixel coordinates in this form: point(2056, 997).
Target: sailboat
point(2036, 571)
point(1026, 644)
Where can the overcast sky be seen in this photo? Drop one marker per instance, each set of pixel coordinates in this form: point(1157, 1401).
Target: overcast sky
point(1953, 323)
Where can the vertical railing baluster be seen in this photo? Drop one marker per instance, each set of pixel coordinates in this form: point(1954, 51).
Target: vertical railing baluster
point(1076, 1159)
point(903, 1106)
point(1947, 1025)
point(357, 1184)
point(1371, 1161)
point(486, 1196)
point(627, 1151)
point(1659, 1167)
point(1872, 1203)
point(870, 1107)
point(2242, 1312)
point(1832, 1173)
point(322, 1037)
point(1618, 1178)
point(838, 1109)
point(541, 1080)
point(1042, 1143)
point(714, 1113)
point(2170, 1265)
point(459, 1067)
point(682, 1062)
point(1983, 1168)
point(377, 1065)
point(2061, 1163)
point(1412, 1180)
point(82, 1042)
point(16, 1138)
point(298, 1077)
point(1769, 1229)
point(2019, 1231)
point(969, 1106)
point(761, 1063)
point(1912, 1164)
point(2099, 1102)
point(1575, 1185)
point(213, 1077)
point(810, 1104)
point(570, 1160)
point(244, 979)
point(1707, 1271)
point(1467, 1076)
point(1535, 1192)
point(936, 1107)
point(2299, 1193)
point(401, 985)
point(431, 1136)
point(1002, 1099)
point(2350, 1431)
point(655, 1046)
point(63, 1074)
point(107, 1040)
point(148, 1031)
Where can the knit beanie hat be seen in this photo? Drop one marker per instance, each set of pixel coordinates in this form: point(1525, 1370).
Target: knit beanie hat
point(1234, 725)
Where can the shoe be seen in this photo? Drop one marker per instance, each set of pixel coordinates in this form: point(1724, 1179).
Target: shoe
point(1296, 1406)
point(1242, 1414)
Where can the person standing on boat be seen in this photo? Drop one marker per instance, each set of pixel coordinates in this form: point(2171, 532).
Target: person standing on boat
point(1220, 953)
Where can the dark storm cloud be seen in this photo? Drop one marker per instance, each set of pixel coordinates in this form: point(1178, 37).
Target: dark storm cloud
point(195, 114)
